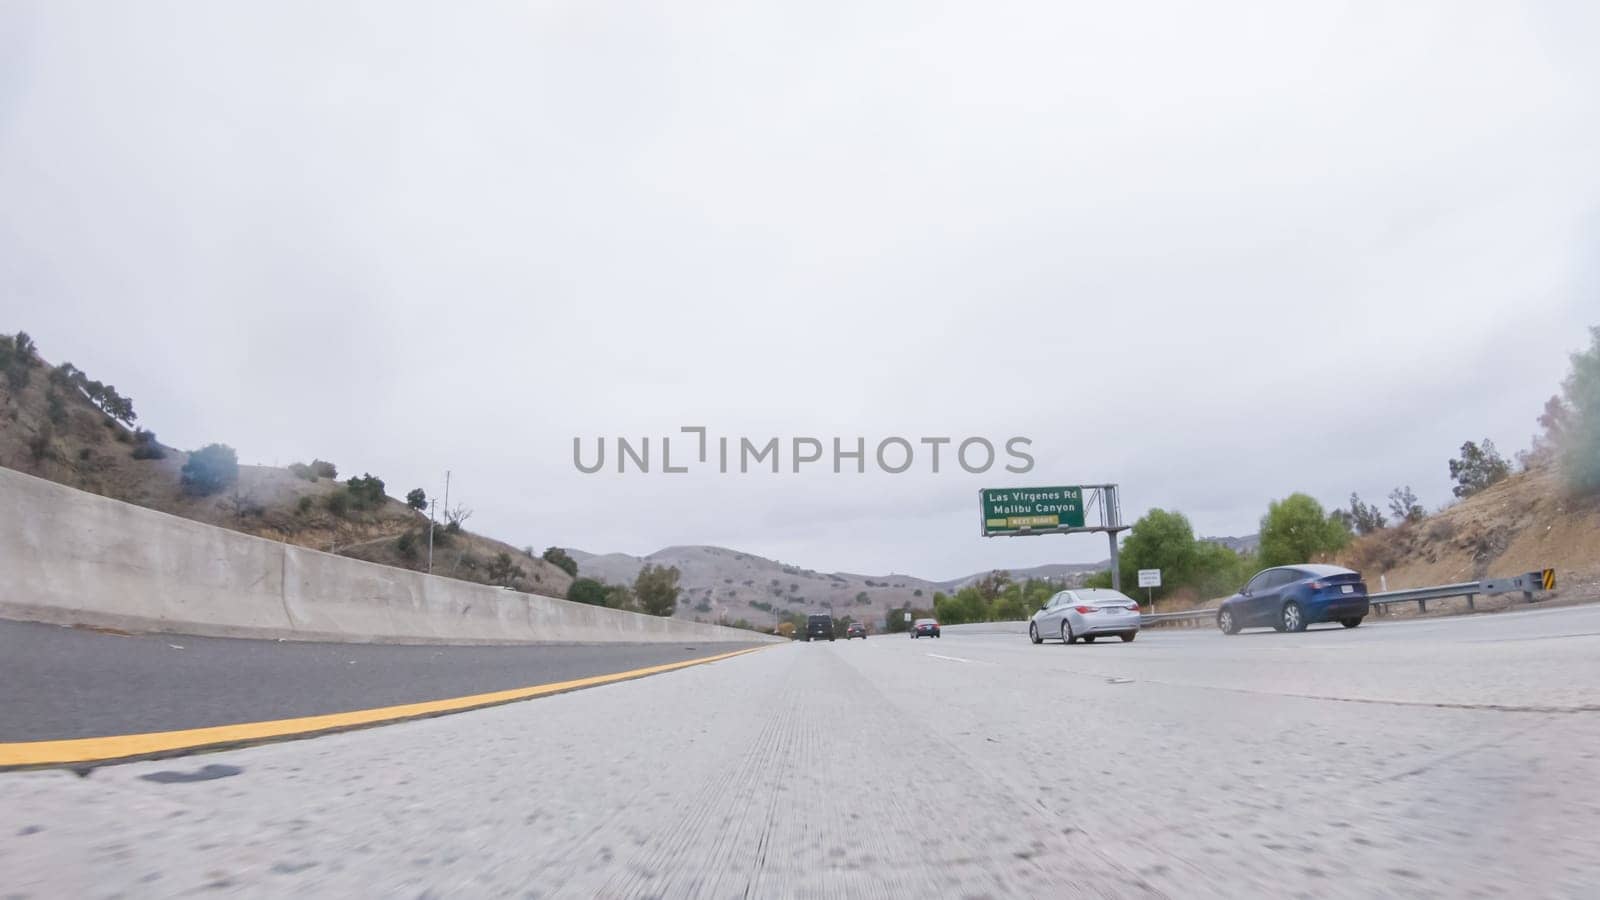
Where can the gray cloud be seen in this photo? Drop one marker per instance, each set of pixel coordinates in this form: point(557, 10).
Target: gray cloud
point(1213, 254)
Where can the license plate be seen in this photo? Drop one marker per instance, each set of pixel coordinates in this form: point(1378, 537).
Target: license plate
point(1347, 589)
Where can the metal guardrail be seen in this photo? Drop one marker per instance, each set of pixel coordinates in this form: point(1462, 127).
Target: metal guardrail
point(1528, 584)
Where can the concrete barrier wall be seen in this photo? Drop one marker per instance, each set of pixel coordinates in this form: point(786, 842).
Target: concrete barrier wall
point(73, 558)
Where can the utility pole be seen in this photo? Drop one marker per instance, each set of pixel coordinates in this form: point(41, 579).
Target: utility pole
point(432, 502)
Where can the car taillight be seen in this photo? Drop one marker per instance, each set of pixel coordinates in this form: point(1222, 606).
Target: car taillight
point(1083, 609)
point(1317, 585)
point(1134, 608)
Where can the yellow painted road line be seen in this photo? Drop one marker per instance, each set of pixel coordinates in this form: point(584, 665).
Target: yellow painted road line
point(125, 746)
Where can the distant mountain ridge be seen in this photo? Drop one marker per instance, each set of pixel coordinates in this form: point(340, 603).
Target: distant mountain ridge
point(720, 581)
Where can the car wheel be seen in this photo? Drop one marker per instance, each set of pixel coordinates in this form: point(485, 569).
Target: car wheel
point(1088, 639)
point(1293, 619)
point(937, 634)
point(1226, 623)
point(1067, 637)
point(1351, 622)
point(1129, 635)
point(1033, 633)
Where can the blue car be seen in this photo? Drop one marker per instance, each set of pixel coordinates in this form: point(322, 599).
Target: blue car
point(1289, 598)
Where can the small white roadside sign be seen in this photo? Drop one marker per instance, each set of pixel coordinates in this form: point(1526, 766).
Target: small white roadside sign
point(1149, 578)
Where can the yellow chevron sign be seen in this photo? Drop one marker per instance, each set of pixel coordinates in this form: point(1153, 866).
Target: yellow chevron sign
point(1549, 578)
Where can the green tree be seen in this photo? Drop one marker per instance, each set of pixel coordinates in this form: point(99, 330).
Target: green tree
point(1477, 468)
point(990, 585)
point(657, 589)
point(1403, 504)
point(1159, 540)
point(1576, 431)
point(895, 621)
point(1297, 530)
point(587, 590)
point(620, 596)
point(1009, 606)
point(209, 470)
point(1364, 518)
point(321, 468)
point(417, 499)
point(562, 560)
point(967, 605)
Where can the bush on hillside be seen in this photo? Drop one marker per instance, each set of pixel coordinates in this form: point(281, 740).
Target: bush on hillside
point(561, 560)
point(209, 470)
point(146, 447)
point(338, 502)
point(366, 492)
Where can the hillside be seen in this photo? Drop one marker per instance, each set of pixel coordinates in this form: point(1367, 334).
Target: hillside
point(718, 581)
point(1525, 522)
point(49, 427)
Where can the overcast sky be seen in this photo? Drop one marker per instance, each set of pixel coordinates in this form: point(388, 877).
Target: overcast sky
point(1213, 252)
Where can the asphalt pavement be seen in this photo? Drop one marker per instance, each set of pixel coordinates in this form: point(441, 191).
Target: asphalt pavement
point(1432, 758)
point(60, 683)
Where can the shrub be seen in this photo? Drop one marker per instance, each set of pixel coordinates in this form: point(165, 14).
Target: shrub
point(302, 471)
point(406, 545)
point(503, 571)
point(209, 470)
point(417, 499)
point(85, 453)
point(303, 505)
point(39, 444)
point(55, 410)
point(338, 502)
point(366, 492)
point(561, 560)
point(146, 447)
point(587, 590)
point(324, 469)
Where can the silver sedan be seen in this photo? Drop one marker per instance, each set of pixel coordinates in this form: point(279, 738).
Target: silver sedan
point(1085, 613)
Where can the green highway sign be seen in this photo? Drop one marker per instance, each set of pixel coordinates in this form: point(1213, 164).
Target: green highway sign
point(1024, 510)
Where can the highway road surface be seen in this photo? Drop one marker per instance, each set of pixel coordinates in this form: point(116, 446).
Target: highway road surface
point(58, 683)
point(1432, 758)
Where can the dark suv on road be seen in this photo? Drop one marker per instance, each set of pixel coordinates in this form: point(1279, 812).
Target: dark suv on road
point(1289, 598)
point(819, 627)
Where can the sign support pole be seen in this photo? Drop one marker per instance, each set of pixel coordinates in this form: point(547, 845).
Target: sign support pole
point(1116, 570)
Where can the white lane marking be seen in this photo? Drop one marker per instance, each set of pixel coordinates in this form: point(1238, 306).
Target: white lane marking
point(961, 660)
